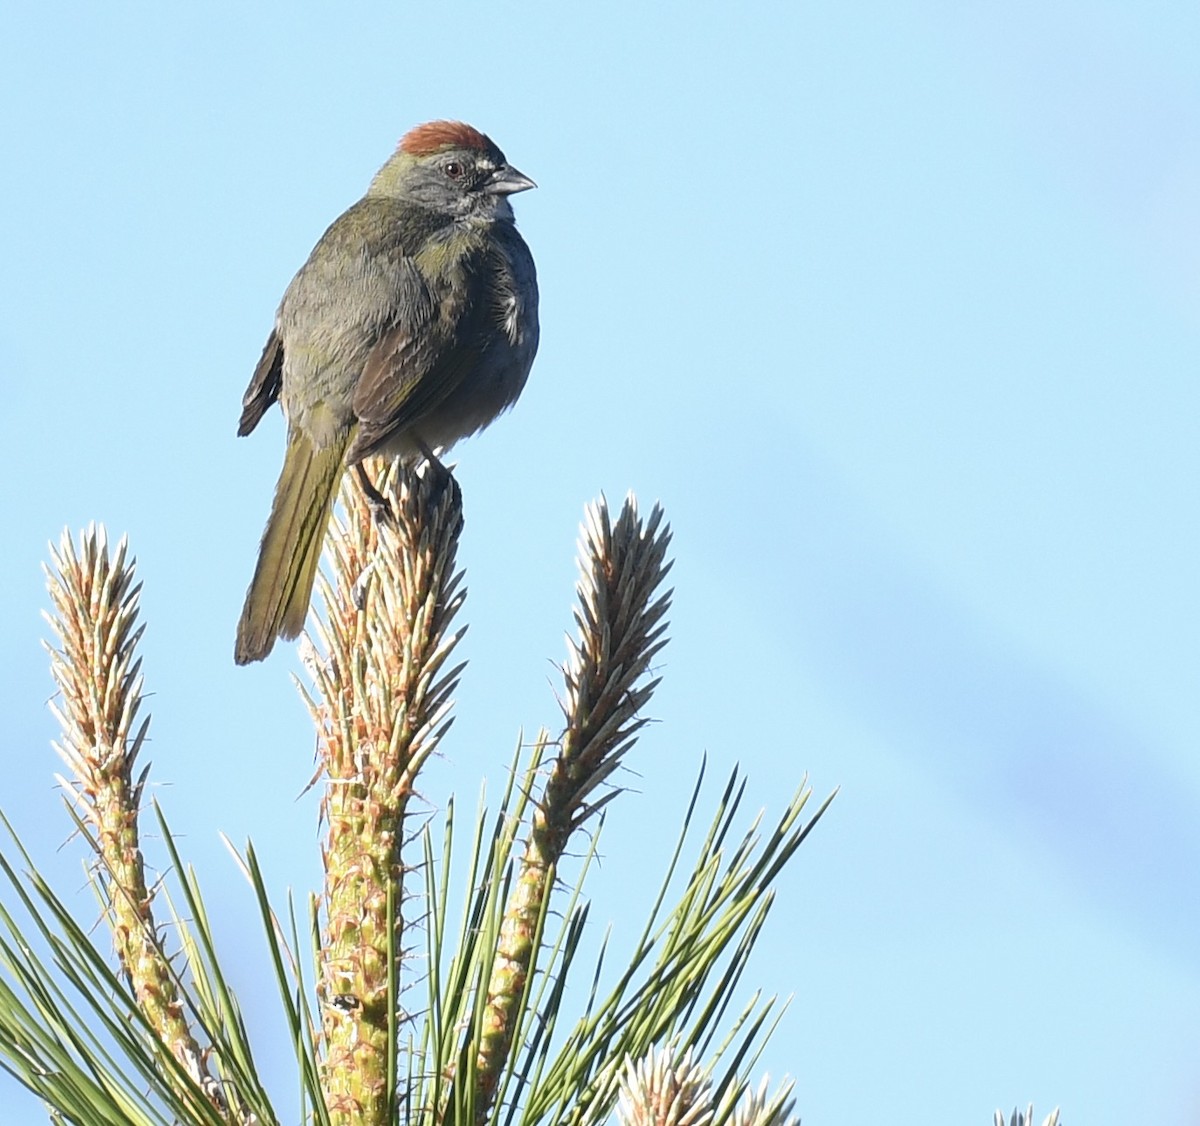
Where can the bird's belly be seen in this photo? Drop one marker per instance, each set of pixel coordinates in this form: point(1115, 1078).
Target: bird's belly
point(484, 395)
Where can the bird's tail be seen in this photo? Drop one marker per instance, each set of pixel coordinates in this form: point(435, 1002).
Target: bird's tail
point(277, 601)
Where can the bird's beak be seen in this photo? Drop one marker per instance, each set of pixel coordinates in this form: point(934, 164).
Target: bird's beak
point(506, 180)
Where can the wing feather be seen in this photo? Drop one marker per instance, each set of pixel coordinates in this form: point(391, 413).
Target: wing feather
point(264, 387)
point(416, 365)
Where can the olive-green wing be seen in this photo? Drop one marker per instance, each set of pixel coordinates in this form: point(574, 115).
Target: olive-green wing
point(415, 366)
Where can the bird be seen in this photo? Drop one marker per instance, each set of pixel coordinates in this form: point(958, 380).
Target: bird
point(413, 323)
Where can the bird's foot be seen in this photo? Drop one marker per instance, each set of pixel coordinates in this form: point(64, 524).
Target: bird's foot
point(381, 509)
point(441, 480)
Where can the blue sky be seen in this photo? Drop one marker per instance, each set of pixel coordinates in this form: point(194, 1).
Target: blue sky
point(895, 307)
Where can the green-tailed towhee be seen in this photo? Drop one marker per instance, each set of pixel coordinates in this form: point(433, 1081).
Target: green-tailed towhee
point(412, 324)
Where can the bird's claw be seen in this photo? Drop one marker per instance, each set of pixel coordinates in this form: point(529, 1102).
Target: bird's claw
point(381, 509)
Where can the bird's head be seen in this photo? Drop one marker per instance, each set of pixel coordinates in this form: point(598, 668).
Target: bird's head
point(452, 168)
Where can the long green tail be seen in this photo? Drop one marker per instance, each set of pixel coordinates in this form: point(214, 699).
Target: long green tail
point(277, 601)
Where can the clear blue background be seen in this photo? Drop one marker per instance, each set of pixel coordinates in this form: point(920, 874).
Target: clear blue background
point(895, 306)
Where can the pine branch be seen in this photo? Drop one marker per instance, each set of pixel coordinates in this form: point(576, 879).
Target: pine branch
point(99, 681)
point(621, 619)
point(383, 689)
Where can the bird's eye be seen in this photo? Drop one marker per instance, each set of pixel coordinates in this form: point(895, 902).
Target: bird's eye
point(454, 170)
